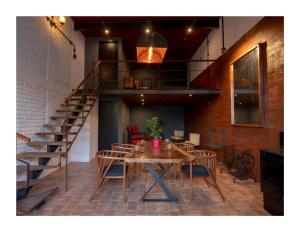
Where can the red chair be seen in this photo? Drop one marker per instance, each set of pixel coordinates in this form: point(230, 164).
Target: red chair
point(134, 135)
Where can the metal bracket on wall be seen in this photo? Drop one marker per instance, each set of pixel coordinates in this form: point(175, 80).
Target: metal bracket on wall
point(223, 43)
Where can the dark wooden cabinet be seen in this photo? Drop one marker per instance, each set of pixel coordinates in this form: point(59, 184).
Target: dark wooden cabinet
point(272, 180)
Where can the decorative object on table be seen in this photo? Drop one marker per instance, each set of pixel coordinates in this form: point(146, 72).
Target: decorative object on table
point(168, 144)
point(134, 135)
point(154, 125)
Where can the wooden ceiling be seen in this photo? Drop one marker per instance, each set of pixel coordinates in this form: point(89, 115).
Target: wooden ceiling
point(181, 45)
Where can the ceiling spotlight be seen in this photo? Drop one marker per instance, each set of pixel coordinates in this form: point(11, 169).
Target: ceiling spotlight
point(143, 103)
point(142, 99)
point(190, 95)
point(189, 30)
point(106, 31)
point(142, 95)
point(147, 30)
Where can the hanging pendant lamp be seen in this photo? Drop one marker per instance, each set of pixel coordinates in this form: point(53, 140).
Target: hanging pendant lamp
point(151, 48)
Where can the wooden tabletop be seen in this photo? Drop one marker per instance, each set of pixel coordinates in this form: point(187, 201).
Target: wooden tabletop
point(159, 155)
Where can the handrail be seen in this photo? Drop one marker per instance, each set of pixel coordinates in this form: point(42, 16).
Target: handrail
point(23, 137)
point(26, 139)
point(96, 65)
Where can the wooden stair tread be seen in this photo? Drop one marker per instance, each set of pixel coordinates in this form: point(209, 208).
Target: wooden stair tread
point(30, 202)
point(55, 133)
point(36, 167)
point(71, 111)
point(40, 154)
point(82, 99)
point(84, 96)
point(81, 104)
point(23, 184)
point(64, 116)
point(59, 125)
point(41, 143)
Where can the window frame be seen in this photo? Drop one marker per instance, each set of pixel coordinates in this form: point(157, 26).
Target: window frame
point(262, 79)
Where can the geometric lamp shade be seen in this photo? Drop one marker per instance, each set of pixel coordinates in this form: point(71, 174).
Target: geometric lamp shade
point(151, 48)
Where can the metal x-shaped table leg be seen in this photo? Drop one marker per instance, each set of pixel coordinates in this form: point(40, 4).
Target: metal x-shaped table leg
point(158, 179)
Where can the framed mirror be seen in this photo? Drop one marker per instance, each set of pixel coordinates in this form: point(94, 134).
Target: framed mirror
point(247, 89)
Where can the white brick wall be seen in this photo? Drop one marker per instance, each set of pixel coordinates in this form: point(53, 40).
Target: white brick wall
point(31, 111)
point(46, 72)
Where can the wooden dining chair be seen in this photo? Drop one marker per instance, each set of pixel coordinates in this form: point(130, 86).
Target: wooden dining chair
point(189, 147)
point(125, 147)
point(122, 147)
point(109, 167)
point(204, 165)
point(186, 146)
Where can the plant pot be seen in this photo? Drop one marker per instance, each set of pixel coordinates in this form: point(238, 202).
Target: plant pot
point(155, 143)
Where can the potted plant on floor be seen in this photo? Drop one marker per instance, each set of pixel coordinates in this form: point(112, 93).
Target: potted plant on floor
point(154, 125)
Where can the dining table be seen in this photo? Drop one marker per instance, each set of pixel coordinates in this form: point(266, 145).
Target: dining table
point(165, 157)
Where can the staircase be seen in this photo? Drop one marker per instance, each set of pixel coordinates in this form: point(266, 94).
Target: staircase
point(57, 139)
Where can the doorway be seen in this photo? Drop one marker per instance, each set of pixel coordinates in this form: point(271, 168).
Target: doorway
point(108, 51)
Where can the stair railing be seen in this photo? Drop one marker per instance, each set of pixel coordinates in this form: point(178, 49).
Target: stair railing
point(86, 89)
point(25, 139)
point(84, 81)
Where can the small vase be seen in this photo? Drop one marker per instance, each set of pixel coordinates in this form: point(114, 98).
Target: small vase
point(155, 143)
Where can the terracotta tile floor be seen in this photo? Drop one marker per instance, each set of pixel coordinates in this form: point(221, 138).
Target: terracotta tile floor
point(242, 198)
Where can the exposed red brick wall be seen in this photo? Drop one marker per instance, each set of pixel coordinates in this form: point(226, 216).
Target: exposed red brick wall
point(269, 30)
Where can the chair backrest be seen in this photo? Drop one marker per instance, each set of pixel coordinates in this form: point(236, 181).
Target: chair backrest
point(122, 147)
point(195, 139)
point(186, 146)
point(134, 129)
point(178, 133)
point(207, 159)
point(105, 159)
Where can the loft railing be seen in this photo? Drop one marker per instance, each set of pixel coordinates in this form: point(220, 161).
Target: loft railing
point(171, 74)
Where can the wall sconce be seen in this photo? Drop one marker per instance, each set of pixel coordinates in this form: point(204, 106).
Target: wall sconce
point(62, 21)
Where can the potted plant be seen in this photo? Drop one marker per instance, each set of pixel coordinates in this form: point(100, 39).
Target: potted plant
point(154, 125)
